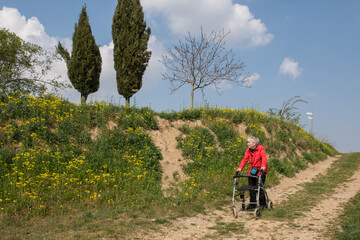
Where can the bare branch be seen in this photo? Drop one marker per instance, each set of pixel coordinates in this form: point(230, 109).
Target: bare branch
point(201, 62)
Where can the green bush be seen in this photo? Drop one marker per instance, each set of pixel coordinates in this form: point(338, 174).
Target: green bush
point(190, 114)
point(319, 156)
point(130, 117)
point(327, 149)
point(196, 144)
point(282, 136)
point(283, 167)
point(171, 116)
point(225, 133)
point(311, 158)
point(299, 165)
point(274, 145)
point(237, 117)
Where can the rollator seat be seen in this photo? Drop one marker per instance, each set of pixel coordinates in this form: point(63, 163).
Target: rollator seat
point(247, 188)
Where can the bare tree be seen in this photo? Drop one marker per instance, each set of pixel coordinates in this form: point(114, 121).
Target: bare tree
point(201, 62)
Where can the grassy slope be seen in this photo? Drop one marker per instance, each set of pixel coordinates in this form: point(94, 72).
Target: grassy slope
point(62, 162)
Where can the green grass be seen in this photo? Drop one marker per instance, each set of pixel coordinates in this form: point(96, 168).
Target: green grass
point(349, 221)
point(321, 187)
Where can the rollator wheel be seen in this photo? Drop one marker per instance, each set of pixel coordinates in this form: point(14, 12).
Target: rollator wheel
point(243, 202)
point(270, 205)
point(235, 214)
point(257, 213)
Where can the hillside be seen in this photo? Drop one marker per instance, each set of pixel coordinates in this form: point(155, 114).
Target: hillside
point(62, 159)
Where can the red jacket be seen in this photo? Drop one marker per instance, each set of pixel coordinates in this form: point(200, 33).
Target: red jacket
point(256, 158)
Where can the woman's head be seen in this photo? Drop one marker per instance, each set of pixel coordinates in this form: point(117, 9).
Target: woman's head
point(252, 141)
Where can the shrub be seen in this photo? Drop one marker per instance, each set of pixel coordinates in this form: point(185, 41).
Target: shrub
point(171, 116)
point(190, 114)
point(282, 136)
point(327, 149)
point(283, 167)
point(275, 145)
point(299, 165)
point(225, 133)
point(255, 130)
point(309, 157)
point(131, 117)
point(196, 143)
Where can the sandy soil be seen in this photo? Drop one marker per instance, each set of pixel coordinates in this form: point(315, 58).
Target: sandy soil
point(165, 140)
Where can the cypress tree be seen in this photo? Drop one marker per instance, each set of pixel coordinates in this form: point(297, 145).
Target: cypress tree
point(84, 65)
point(130, 36)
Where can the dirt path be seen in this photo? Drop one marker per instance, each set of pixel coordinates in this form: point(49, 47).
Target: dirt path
point(289, 186)
point(311, 226)
point(329, 209)
point(315, 222)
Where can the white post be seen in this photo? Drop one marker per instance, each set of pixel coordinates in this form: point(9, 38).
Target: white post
point(311, 117)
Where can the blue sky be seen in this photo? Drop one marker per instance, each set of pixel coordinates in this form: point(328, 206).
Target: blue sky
point(302, 48)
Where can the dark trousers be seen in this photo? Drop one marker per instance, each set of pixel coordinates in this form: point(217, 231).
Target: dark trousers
point(254, 182)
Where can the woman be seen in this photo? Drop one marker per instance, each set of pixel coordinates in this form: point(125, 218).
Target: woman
point(256, 156)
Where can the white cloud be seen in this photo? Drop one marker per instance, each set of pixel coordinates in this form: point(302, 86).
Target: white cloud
point(108, 87)
point(152, 75)
point(222, 86)
point(290, 67)
point(30, 30)
point(33, 31)
point(153, 72)
point(188, 15)
point(252, 79)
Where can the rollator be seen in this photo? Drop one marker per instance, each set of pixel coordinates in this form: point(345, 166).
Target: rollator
point(238, 197)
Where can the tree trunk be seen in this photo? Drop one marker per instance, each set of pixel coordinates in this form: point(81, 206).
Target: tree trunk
point(83, 99)
point(192, 97)
point(127, 101)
